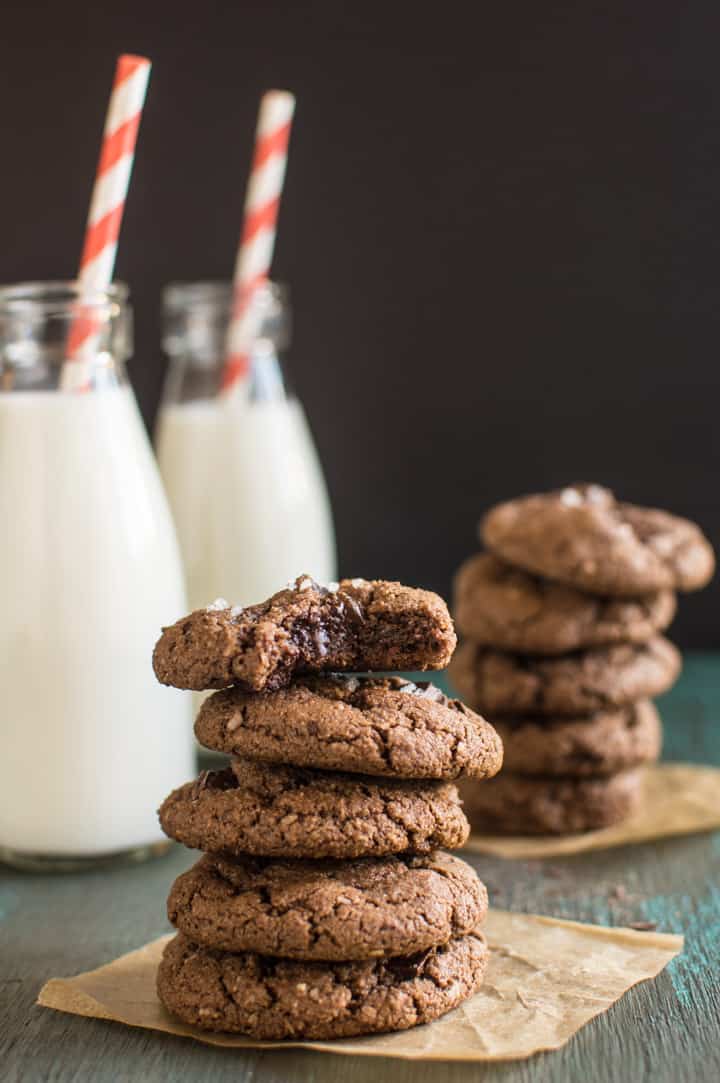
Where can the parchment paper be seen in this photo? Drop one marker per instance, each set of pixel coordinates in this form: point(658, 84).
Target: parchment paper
point(545, 980)
point(678, 799)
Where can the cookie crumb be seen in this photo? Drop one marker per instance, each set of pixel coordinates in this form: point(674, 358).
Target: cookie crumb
point(217, 606)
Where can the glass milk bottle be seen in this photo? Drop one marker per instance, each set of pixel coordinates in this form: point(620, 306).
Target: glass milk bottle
point(194, 323)
point(242, 473)
point(90, 743)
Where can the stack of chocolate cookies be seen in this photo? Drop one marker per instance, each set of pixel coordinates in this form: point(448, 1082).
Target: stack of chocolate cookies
point(323, 906)
point(563, 651)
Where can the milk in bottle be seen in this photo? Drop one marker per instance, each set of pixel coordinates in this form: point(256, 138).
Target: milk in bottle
point(89, 572)
point(242, 474)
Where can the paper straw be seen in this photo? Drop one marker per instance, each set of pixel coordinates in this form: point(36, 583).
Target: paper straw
point(117, 154)
point(257, 241)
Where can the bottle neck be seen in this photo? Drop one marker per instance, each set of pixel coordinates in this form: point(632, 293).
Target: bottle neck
point(196, 318)
point(61, 336)
point(191, 380)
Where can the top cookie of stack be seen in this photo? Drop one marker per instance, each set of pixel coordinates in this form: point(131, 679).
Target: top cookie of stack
point(358, 626)
point(322, 880)
point(562, 622)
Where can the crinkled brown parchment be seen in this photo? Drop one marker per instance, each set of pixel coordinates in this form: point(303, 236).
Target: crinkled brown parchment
point(678, 799)
point(546, 979)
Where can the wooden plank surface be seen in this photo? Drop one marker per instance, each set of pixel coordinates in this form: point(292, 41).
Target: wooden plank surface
point(667, 1030)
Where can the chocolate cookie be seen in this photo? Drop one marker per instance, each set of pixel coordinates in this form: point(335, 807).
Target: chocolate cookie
point(596, 745)
point(593, 680)
point(269, 998)
point(335, 910)
point(581, 535)
point(383, 726)
point(306, 629)
point(516, 805)
point(498, 605)
point(275, 811)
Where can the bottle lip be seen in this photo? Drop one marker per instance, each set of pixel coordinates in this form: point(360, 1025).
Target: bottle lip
point(209, 293)
point(55, 296)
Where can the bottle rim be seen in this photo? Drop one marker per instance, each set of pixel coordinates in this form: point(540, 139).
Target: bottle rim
point(217, 292)
point(56, 296)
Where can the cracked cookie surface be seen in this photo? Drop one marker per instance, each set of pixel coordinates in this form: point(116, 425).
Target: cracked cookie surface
point(496, 682)
point(498, 605)
point(592, 746)
point(268, 998)
point(517, 805)
point(327, 910)
point(583, 536)
point(381, 726)
point(277, 811)
point(360, 626)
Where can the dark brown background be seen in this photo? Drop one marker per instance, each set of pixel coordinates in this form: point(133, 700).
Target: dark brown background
point(501, 229)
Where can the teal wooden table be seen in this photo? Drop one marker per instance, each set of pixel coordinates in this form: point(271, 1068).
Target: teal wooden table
point(667, 1030)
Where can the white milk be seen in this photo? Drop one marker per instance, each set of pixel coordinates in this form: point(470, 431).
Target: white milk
point(271, 513)
point(252, 511)
point(186, 439)
point(90, 743)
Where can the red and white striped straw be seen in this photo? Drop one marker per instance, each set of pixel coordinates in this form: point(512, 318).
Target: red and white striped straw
point(257, 242)
point(117, 154)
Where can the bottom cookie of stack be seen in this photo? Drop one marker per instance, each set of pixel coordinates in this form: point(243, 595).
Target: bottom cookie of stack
point(270, 998)
point(346, 947)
